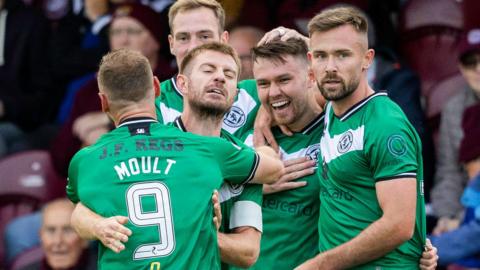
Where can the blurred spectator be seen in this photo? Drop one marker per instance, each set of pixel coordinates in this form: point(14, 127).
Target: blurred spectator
point(80, 40)
point(458, 246)
point(450, 177)
point(403, 86)
point(134, 26)
point(26, 97)
point(63, 247)
point(243, 39)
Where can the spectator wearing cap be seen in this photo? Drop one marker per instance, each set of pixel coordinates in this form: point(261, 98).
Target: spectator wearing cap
point(460, 246)
point(450, 176)
point(134, 26)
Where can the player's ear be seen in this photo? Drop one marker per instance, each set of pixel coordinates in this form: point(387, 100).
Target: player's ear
point(182, 83)
point(104, 102)
point(224, 37)
point(156, 86)
point(368, 59)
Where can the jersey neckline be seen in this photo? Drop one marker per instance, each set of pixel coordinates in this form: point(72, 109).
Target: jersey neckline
point(358, 106)
point(136, 120)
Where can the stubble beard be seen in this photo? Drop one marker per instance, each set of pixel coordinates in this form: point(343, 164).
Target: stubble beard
point(345, 90)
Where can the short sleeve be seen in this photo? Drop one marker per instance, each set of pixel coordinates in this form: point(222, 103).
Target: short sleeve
point(72, 183)
point(238, 164)
point(392, 145)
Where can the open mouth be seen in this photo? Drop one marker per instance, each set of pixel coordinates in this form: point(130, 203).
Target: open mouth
point(216, 91)
point(280, 104)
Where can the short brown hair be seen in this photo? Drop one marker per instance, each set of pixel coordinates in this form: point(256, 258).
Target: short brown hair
point(276, 50)
point(212, 46)
point(126, 75)
point(336, 17)
point(185, 5)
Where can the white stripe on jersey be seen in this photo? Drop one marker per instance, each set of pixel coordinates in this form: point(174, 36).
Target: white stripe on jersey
point(329, 146)
point(168, 114)
point(246, 213)
point(246, 103)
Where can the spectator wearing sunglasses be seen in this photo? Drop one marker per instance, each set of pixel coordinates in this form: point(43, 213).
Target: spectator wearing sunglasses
point(451, 178)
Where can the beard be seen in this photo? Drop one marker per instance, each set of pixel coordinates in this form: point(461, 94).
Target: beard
point(208, 109)
point(345, 90)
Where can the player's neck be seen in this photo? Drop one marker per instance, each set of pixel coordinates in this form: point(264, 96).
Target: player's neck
point(133, 112)
point(341, 106)
point(201, 125)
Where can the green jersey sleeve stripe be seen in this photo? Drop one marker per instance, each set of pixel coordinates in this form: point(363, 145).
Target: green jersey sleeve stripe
point(402, 175)
point(246, 213)
point(256, 161)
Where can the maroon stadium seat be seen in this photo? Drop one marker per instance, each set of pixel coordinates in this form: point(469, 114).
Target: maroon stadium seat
point(28, 257)
point(421, 13)
point(27, 181)
point(439, 95)
point(432, 52)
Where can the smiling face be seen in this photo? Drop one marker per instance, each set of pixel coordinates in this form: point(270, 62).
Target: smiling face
point(191, 28)
point(339, 58)
point(283, 88)
point(210, 82)
point(62, 245)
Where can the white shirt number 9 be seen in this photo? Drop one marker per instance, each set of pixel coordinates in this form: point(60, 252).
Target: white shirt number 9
point(161, 217)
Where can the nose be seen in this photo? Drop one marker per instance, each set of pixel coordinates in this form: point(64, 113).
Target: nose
point(274, 90)
point(219, 76)
point(194, 42)
point(331, 65)
point(57, 237)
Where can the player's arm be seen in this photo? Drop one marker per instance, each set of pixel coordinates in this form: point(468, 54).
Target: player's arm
point(110, 231)
point(270, 167)
point(241, 247)
point(397, 199)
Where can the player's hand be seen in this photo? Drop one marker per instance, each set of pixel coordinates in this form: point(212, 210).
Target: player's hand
point(429, 258)
point(445, 224)
point(262, 133)
point(93, 135)
point(87, 122)
point(111, 232)
point(217, 210)
point(294, 169)
point(283, 34)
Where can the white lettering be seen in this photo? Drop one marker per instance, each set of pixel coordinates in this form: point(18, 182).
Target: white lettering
point(170, 163)
point(143, 165)
point(122, 170)
point(155, 166)
point(134, 168)
point(146, 165)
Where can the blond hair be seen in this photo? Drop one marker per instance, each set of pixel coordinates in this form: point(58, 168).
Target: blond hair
point(185, 5)
point(212, 46)
point(126, 75)
point(336, 17)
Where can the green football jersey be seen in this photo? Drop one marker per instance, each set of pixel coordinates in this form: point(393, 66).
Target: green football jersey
point(237, 121)
point(241, 204)
point(373, 141)
point(290, 217)
point(162, 179)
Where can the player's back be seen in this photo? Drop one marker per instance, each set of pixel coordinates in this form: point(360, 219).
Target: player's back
point(163, 180)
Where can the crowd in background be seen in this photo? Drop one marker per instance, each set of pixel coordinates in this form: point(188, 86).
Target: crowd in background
point(427, 59)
